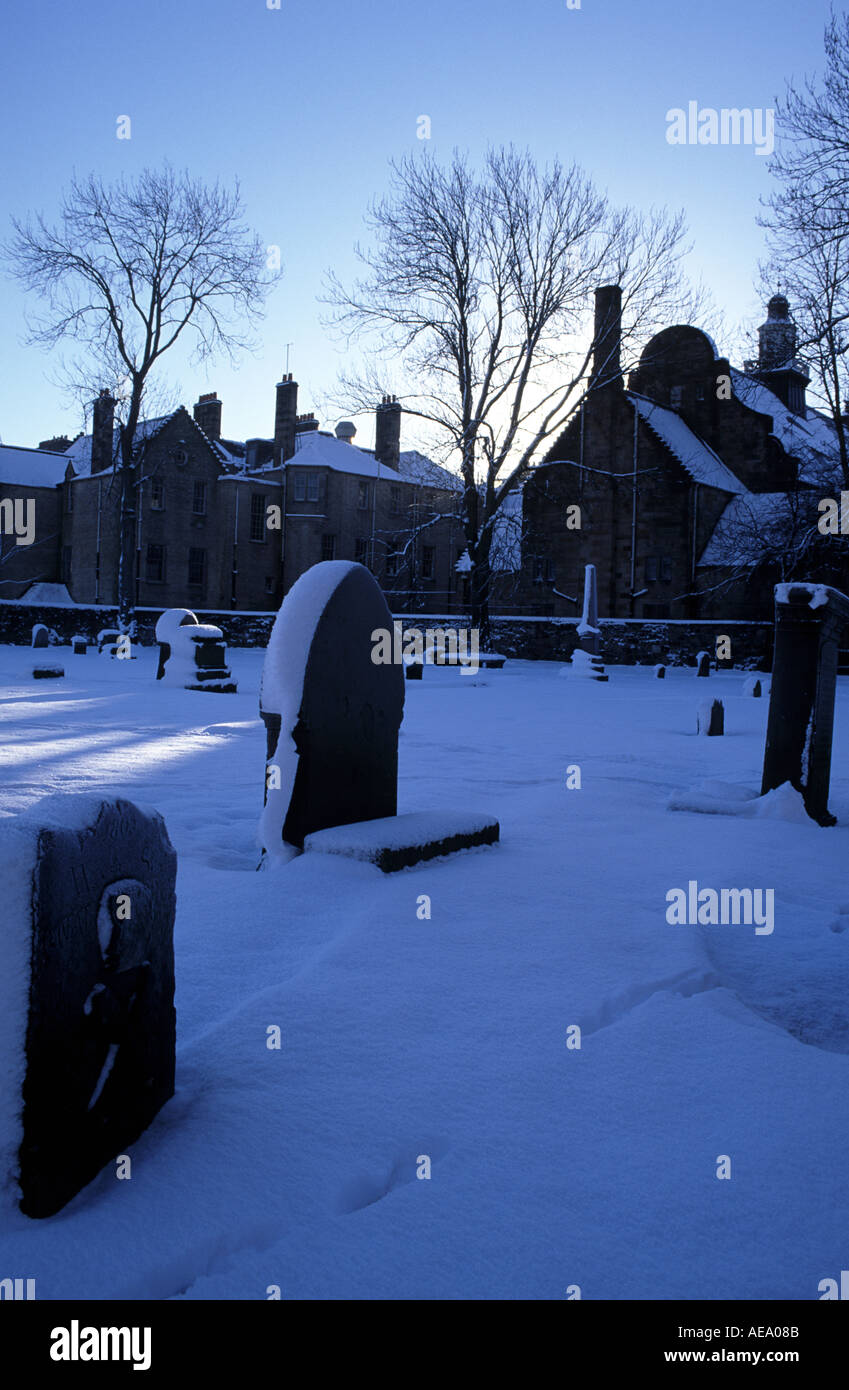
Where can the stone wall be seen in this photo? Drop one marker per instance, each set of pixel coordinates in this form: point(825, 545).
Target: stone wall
point(625, 641)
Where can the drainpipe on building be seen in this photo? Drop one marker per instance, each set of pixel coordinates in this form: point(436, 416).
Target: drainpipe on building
point(283, 476)
point(633, 583)
point(235, 566)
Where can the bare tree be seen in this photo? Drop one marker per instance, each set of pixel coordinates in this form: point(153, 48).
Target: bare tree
point(808, 224)
point(478, 290)
point(127, 270)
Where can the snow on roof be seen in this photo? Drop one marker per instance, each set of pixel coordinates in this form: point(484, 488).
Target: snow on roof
point(52, 595)
point(506, 555)
point(79, 452)
point(418, 468)
point(702, 464)
point(753, 523)
point(318, 449)
point(814, 435)
point(31, 467)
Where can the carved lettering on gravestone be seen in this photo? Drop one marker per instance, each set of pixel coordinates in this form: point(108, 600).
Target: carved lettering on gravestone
point(100, 1030)
point(339, 749)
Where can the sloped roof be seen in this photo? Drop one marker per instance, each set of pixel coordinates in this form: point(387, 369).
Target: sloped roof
point(318, 449)
point(418, 468)
point(697, 457)
point(31, 467)
point(753, 523)
point(813, 435)
point(79, 453)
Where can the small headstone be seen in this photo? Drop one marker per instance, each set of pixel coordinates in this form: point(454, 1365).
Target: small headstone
point(331, 713)
point(79, 645)
point(86, 993)
point(107, 641)
point(711, 718)
point(753, 687)
point(703, 664)
point(40, 636)
point(192, 654)
point(415, 670)
point(660, 672)
point(47, 673)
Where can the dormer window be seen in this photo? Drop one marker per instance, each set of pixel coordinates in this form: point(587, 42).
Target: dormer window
point(676, 397)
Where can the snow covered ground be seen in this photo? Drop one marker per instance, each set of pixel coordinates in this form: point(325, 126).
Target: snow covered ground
point(401, 1037)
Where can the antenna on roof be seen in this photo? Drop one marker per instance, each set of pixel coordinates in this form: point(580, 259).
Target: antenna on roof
point(287, 346)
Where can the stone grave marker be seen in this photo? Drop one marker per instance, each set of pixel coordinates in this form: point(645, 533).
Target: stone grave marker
point(192, 654)
point(710, 718)
point(703, 664)
point(809, 622)
point(586, 661)
point(332, 716)
point(40, 635)
point(87, 992)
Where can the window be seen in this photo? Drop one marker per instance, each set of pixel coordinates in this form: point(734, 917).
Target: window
point(300, 492)
point(157, 494)
point(269, 583)
point(328, 547)
point(676, 397)
point(700, 393)
point(393, 562)
point(66, 564)
point(394, 499)
point(549, 571)
point(199, 497)
point(658, 567)
point(665, 567)
point(257, 516)
point(197, 567)
point(651, 571)
point(180, 457)
point(360, 550)
point(155, 565)
point(363, 495)
point(428, 559)
point(538, 571)
point(312, 487)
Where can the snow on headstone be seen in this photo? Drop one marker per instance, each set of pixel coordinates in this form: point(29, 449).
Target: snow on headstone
point(107, 640)
point(588, 629)
point(703, 663)
point(192, 654)
point(710, 718)
point(332, 714)
point(660, 672)
point(39, 635)
point(753, 687)
point(87, 1024)
point(79, 645)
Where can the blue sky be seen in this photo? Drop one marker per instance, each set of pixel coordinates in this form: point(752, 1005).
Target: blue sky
point(306, 104)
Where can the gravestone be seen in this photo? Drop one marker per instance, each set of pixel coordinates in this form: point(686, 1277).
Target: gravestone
point(47, 673)
point(809, 622)
point(415, 670)
point(331, 713)
point(589, 632)
point(703, 664)
point(710, 718)
point(753, 687)
point(39, 635)
point(79, 646)
point(660, 672)
point(87, 991)
point(107, 641)
point(192, 654)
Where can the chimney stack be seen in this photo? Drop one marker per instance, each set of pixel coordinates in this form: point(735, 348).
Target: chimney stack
point(607, 367)
point(284, 419)
point(102, 432)
point(305, 423)
point(207, 413)
point(387, 436)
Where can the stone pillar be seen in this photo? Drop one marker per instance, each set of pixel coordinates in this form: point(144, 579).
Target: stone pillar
point(589, 633)
point(809, 619)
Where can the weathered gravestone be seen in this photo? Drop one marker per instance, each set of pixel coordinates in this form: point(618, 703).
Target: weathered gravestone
point(710, 718)
point(703, 663)
point(809, 621)
point(79, 645)
point(40, 635)
point(660, 673)
point(753, 687)
point(86, 991)
point(332, 716)
point(586, 661)
point(46, 673)
point(192, 654)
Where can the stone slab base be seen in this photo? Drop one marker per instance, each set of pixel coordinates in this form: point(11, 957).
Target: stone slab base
point(397, 842)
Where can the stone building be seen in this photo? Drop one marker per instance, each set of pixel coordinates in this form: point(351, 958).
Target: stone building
point(223, 523)
point(692, 490)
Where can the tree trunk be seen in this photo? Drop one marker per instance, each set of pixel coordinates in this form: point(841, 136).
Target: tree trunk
point(480, 588)
point(127, 525)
